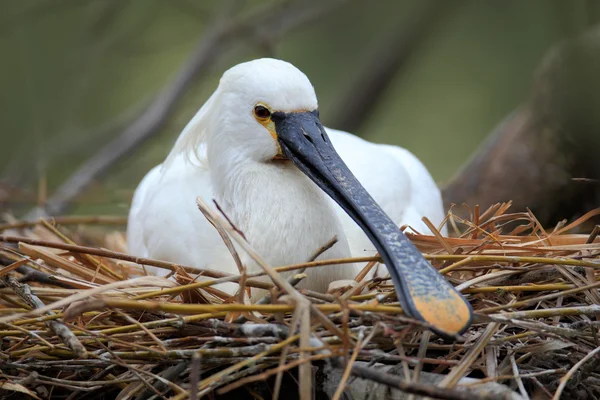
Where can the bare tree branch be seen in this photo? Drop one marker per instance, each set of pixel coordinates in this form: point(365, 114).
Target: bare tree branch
point(142, 128)
point(59, 329)
point(267, 23)
point(393, 54)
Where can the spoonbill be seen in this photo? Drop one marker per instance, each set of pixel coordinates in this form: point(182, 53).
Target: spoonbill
point(258, 148)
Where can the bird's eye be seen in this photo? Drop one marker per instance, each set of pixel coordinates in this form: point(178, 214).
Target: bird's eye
point(262, 112)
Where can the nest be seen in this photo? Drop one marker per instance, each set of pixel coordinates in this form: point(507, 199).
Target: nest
point(84, 321)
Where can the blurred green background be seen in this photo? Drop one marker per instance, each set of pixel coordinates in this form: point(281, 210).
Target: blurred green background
point(76, 73)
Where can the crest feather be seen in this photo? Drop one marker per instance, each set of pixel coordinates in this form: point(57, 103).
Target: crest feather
point(193, 134)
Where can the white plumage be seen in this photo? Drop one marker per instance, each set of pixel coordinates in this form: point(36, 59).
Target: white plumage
point(227, 154)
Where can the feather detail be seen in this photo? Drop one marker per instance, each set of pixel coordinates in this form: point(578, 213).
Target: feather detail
point(193, 135)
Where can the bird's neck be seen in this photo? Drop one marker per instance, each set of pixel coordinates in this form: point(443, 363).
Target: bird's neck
point(272, 203)
point(243, 186)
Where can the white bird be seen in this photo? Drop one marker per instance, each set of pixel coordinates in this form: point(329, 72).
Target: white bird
point(258, 148)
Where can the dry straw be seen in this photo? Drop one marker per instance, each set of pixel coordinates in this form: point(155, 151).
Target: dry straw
point(79, 321)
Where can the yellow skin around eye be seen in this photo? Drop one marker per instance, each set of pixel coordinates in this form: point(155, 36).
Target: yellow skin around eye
point(270, 126)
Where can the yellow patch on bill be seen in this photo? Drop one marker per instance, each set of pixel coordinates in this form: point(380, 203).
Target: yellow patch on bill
point(449, 315)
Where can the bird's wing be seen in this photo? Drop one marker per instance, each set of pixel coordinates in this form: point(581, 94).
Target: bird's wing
point(164, 220)
point(395, 178)
point(426, 198)
point(135, 222)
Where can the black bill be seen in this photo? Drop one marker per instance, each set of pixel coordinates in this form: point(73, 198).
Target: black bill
point(421, 290)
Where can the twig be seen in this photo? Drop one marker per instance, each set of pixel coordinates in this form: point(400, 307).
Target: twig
point(61, 330)
point(459, 371)
point(122, 256)
point(418, 388)
point(67, 220)
point(172, 266)
point(219, 375)
point(540, 298)
point(195, 374)
point(517, 377)
point(302, 303)
point(170, 374)
point(568, 375)
point(347, 370)
point(33, 275)
point(279, 370)
point(294, 280)
point(552, 312)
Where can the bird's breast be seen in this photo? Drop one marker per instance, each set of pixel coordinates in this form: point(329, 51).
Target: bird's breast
point(285, 216)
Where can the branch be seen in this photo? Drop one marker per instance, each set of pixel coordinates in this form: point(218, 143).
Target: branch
point(271, 22)
point(393, 54)
point(149, 123)
point(60, 330)
point(33, 275)
point(414, 387)
point(126, 257)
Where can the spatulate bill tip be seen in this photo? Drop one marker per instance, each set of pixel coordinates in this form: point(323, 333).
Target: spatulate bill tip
point(448, 314)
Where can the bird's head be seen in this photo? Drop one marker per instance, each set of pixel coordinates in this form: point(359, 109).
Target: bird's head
point(245, 114)
point(252, 102)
